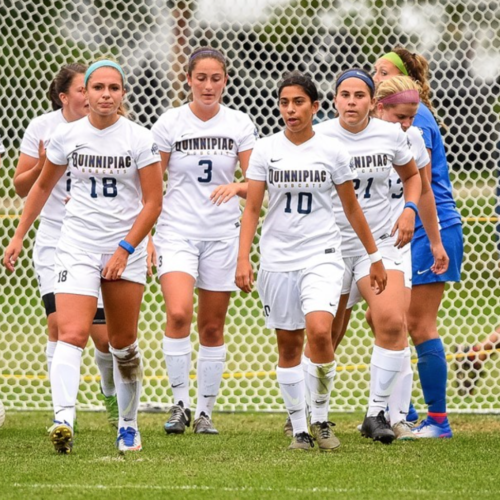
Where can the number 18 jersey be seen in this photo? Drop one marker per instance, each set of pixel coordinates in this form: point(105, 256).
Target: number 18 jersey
point(203, 155)
point(106, 194)
point(300, 229)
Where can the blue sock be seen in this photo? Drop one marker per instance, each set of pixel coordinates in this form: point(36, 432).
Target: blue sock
point(432, 369)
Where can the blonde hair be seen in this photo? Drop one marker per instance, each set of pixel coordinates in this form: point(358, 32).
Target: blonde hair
point(395, 85)
point(122, 109)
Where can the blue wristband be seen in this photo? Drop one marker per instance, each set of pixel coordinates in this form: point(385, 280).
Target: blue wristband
point(127, 246)
point(410, 204)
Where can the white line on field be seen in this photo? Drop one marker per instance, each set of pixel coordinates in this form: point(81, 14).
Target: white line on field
point(241, 489)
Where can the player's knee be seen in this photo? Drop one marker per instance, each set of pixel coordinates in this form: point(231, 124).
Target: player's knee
point(390, 324)
point(212, 333)
point(290, 353)
point(319, 341)
point(129, 362)
point(178, 319)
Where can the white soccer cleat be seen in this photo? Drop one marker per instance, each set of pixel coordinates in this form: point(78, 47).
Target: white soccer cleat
point(128, 439)
point(61, 436)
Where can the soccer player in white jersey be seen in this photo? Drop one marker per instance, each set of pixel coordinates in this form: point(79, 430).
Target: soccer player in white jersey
point(114, 164)
point(397, 101)
point(69, 103)
point(376, 147)
point(197, 234)
point(301, 267)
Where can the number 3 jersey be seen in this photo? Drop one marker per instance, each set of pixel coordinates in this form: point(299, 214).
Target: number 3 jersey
point(40, 129)
point(106, 194)
point(374, 151)
point(203, 155)
point(299, 230)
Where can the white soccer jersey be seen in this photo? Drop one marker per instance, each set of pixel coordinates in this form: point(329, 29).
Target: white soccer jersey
point(300, 228)
point(41, 129)
point(417, 146)
point(203, 155)
point(105, 191)
point(374, 151)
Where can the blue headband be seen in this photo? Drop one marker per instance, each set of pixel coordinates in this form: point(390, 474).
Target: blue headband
point(103, 64)
point(355, 73)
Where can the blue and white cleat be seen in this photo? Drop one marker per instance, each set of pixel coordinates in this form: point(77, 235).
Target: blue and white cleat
point(412, 415)
point(128, 439)
point(61, 436)
point(429, 428)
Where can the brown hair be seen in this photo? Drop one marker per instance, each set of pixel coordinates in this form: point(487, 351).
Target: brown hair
point(206, 53)
point(62, 82)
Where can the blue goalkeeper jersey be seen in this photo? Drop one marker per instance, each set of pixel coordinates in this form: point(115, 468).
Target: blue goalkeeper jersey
point(440, 183)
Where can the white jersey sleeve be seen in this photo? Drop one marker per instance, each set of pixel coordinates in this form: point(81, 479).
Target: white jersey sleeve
point(422, 159)
point(300, 229)
point(106, 194)
point(203, 156)
point(41, 129)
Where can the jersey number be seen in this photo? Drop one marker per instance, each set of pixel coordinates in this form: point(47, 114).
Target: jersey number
point(303, 199)
point(68, 182)
point(394, 195)
point(207, 171)
point(108, 187)
point(357, 183)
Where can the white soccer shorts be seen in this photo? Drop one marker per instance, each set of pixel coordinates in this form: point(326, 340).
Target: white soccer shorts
point(79, 271)
point(288, 296)
point(211, 263)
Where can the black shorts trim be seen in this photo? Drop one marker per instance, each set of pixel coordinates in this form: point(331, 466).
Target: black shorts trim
point(49, 302)
point(100, 317)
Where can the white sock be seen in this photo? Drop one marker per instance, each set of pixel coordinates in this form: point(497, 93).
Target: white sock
point(64, 381)
point(385, 366)
point(49, 353)
point(210, 368)
point(104, 361)
point(320, 384)
point(305, 368)
point(399, 400)
point(128, 381)
point(291, 381)
point(178, 360)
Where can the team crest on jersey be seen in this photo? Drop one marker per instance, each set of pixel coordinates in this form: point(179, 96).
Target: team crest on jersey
point(154, 149)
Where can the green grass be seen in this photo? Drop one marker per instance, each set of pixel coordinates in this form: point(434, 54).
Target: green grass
point(248, 460)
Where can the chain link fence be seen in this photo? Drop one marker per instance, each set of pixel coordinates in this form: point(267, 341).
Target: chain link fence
point(261, 39)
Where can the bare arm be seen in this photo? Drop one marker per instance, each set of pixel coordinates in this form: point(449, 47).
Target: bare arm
point(36, 200)
point(412, 187)
point(250, 220)
point(222, 194)
point(356, 217)
point(152, 193)
point(28, 170)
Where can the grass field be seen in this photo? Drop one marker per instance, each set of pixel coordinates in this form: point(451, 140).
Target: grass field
point(248, 460)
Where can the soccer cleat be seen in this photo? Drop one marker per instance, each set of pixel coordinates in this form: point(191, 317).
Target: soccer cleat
point(429, 428)
point(179, 420)
point(204, 425)
point(403, 431)
point(377, 429)
point(128, 439)
point(288, 427)
point(323, 433)
point(302, 441)
point(61, 436)
point(111, 403)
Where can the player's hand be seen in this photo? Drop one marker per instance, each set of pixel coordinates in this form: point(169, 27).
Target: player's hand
point(244, 275)
point(152, 256)
point(378, 277)
point(222, 194)
point(115, 266)
point(441, 259)
point(405, 227)
point(12, 253)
